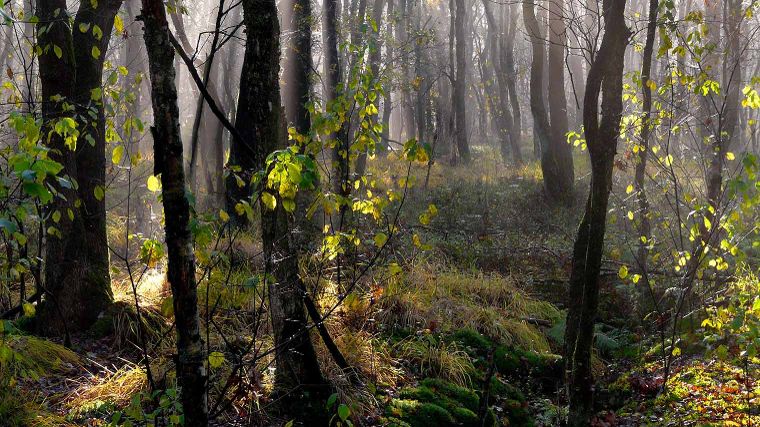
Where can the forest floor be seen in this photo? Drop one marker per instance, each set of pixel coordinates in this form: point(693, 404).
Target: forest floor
point(473, 308)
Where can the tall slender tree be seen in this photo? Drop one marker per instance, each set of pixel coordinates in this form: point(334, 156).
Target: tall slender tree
point(561, 155)
point(169, 165)
point(460, 82)
point(605, 77)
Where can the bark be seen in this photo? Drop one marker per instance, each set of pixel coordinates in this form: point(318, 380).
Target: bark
point(644, 229)
point(374, 66)
point(332, 71)
point(463, 146)
point(503, 106)
point(169, 164)
point(200, 118)
point(605, 76)
point(77, 277)
point(541, 128)
point(560, 186)
point(259, 119)
point(508, 61)
point(387, 84)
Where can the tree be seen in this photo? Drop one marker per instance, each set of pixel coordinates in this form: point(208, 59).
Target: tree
point(643, 151)
point(259, 119)
point(169, 165)
point(503, 116)
point(605, 77)
point(77, 278)
point(560, 184)
point(460, 83)
point(508, 65)
point(541, 128)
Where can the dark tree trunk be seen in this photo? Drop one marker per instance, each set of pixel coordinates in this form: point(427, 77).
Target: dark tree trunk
point(644, 229)
point(297, 75)
point(169, 164)
point(298, 379)
point(460, 83)
point(508, 61)
point(561, 187)
point(77, 276)
point(502, 106)
point(541, 128)
point(333, 73)
point(605, 76)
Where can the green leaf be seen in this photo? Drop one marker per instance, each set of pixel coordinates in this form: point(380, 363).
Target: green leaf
point(97, 32)
point(167, 307)
point(331, 400)
point(58, 51)
point(343, 411)
point(95, 52)
point(380, 239)
point(99, 192)
point(84, 27)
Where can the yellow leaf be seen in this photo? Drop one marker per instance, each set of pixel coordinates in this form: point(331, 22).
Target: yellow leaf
point(215, 359)
point(118, 24)
point(153, 183)
point(117, 154)
point(223, 215)
point(730, 156)
point(269, 201)
point(629, 189)
point(623, 272)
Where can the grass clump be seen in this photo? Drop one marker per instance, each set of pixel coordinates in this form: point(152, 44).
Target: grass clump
point(442, 299)
point(114, 390)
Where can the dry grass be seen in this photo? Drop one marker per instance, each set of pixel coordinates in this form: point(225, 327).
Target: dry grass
point(433, 297)
point(116, 388)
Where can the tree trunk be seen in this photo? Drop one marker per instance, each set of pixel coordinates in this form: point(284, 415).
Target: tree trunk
point(605, 76)
point(541, 128)
point(561, 188)
point(460, 83)
point(508, 61)
point(644, 229)
point(169, 164)
point(77, 278)
point(298, 377)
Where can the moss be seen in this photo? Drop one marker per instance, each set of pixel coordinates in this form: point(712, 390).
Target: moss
point(517, 413)
point(465, 417)
point(460, 403)
point(514, 361)
point(473, 341)
point(461, 395)
point(502, 389)
point(27, 356)
point(418, 414)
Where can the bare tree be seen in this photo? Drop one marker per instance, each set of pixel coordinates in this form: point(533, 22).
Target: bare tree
point(605, 77)
point(169, 164)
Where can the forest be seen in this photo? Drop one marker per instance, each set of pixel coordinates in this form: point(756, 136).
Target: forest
point(401, 213)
